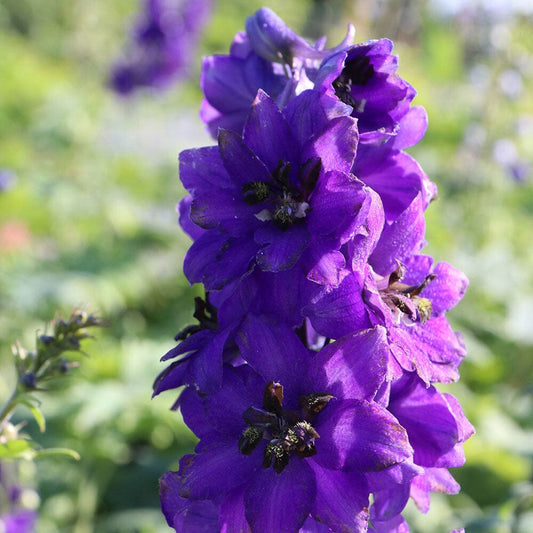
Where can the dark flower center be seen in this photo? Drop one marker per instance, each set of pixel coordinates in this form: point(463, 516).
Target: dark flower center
point(404, 300)
point(357, 71)
point(283, 203)
point(287, 432)
point(205, 313)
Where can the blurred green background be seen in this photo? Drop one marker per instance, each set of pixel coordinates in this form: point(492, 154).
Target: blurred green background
point(90, 219)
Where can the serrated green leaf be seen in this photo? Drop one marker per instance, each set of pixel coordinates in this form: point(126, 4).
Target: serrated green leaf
point(58, 451)
point(15, 449)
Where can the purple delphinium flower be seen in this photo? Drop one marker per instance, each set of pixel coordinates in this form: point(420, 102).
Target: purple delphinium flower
point(272, 57)
point(268, 56)
point(280, 195)
point(307, 223)
point(436, 428)
point(364, 77)
point(290, 435)
point(411, 302)
point(162, 44)
point(274, 41)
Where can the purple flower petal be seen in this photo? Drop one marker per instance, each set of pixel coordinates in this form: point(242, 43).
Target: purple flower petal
point(394, 175)
point(216, 470)
point(187, 225)
point(240, 162)
point(181, 513)
point(280, 502)
point(232, 512)
point(216, 261)
point(336, 145)
point(224, 410)
point(202, 169)
point(341, 311)
point(281, 250)
point(267, 133)
point(412, 128)
point(361, 436)
point(341, 499)
point(394, 525)
point(273, 350)
point(336, 202)
point(433, 480)
point(389, 503)
point(401, 239)
point(352, 367)
point(312, 526)
point(326, 268)
point(425, 414)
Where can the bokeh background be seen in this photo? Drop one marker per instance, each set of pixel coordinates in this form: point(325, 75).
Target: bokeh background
point(88, 218)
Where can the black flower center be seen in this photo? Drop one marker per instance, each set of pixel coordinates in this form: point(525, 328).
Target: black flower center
point(404, 301)
point(357, 71)
point(205, 313)
point(287, 432)
point(283, 203)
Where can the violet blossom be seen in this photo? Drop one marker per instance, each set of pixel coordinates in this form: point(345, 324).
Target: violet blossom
point(271, 453)
point(309, 379)
point(411, 302)
point(162, 44)
point(280, 195)
point(269, 56)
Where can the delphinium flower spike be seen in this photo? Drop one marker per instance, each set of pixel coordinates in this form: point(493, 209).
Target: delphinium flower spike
point(311, 376)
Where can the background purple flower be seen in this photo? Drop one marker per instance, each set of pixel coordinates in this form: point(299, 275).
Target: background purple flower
point(162, 44)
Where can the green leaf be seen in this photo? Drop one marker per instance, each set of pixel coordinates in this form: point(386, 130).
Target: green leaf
point(58, 451)
point(39, 418)
point(16, 449)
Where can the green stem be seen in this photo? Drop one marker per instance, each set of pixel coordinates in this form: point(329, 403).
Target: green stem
point(8, 409)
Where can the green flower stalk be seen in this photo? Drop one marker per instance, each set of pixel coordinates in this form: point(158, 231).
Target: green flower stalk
point(36, 367)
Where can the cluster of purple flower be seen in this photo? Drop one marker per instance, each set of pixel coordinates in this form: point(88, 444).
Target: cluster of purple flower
point(162, 41)
point(309, 378)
